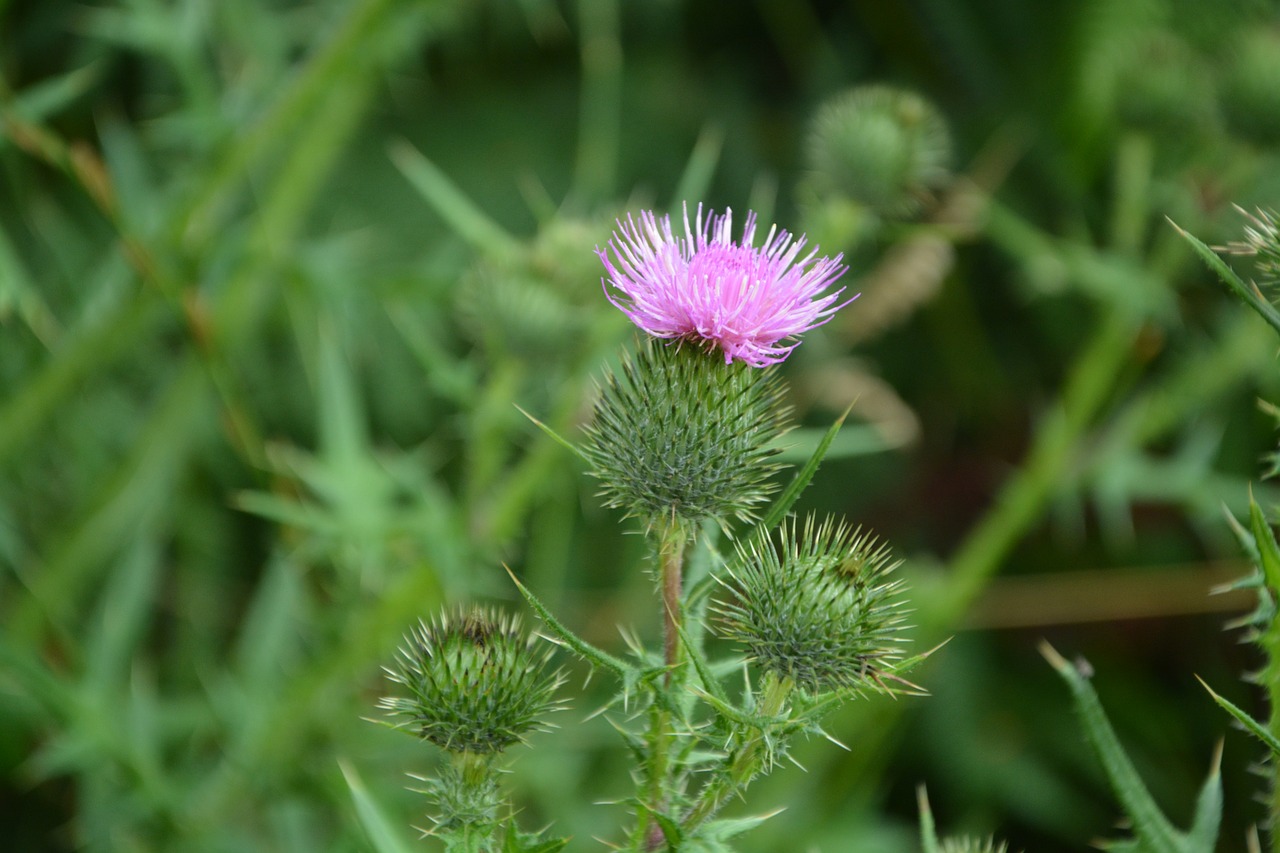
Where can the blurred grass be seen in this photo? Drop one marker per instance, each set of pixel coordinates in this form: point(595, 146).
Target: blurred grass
point(273, 276)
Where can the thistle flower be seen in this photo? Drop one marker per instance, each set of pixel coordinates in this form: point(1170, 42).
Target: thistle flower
point(819, 609)
point(676, 434)
point(702, 286)
point(475, 683)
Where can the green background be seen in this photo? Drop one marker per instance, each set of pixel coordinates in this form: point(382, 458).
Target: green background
point(274, 276)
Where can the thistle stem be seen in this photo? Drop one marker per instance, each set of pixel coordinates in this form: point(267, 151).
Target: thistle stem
point(745, 763)
point(671, 576)
point(673, 538)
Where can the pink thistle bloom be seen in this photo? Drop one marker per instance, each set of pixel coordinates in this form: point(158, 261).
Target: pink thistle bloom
point(747, 301)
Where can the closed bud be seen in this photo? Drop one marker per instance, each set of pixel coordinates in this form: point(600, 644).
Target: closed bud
point(476, 684)
point(886, 149)
point(679, 434)
point(819, 608)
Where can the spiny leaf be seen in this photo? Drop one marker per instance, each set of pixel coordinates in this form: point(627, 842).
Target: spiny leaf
point(585, 650)
point(1265, 540)
point(1248, 292)
point(1149, 824)
point(803, 477)
point(1250, 724)
point(1152, 830)
point(1203, 835)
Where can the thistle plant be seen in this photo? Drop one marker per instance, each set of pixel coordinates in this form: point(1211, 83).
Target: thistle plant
point(475, 686)
point(684, 441)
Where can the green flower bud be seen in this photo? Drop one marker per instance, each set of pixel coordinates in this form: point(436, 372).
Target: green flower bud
point(885, 148)
point(819, 609)
point(678, 433)
point(475, 683)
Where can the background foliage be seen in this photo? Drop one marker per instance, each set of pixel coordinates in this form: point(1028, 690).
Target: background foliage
point(273, 276)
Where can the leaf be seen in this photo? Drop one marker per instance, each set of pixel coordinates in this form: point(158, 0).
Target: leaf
point(1251, 725)
point(1149, 824)
point(928, 833)
point(705, 675)
point(1152, 830)
point(375, 823)
point(1203, 835)
point(516, 841)
point(788, 498)
point(1248, 292)
point(556, 437)
point(1265, 540)
point(467, 220)
point(585, 650)
point(701, 166)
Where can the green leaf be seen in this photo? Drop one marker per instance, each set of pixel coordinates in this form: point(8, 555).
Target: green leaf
point(375, 823)
point(467, 220)
point(699, 662)
point(1149, 824)
point(1265, 540)
point(1203, 835)
point(556, 437)
point(701, 166)
point(516, 841)
point(928, 833)
point(1246, 291)
point(788, 498)
point(1251, 725)
point(584, 650)
point(1152, 830)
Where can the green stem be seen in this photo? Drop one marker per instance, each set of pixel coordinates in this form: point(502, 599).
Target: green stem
point(746, 762)
point(1022, 501)
point(671, 577)
point(673, 538)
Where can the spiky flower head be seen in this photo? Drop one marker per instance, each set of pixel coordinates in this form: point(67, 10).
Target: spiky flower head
point(886, 148)
point(749, 302)
point(476, 683)
point(820, 608)
point(677, 435)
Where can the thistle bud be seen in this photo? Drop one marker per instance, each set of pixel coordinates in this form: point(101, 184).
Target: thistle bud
point(884, 148)
point(475, 683)
point(679, 433)
point(819, 609)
